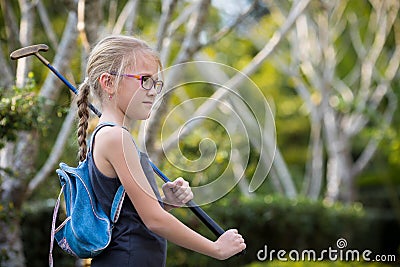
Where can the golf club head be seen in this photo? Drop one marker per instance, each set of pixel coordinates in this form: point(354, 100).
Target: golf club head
point(28, 51)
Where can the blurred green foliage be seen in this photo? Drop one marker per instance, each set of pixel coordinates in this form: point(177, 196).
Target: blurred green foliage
point(36, 227)
point(270, 220)
point(281, 223)
point(20, 110)
point(265, 219)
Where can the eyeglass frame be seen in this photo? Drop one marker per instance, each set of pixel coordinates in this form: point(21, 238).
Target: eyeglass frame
point(140, 77)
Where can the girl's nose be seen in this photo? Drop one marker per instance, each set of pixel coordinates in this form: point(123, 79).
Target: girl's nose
point(152, 91)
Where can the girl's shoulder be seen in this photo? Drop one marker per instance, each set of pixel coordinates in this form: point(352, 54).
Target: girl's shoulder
point(110, 130)
point(113, 137)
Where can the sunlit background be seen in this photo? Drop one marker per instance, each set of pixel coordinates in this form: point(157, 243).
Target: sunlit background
point(293, 106)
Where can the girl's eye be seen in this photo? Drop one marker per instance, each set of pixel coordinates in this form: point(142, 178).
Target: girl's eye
point(145, 78)
point(147, 82)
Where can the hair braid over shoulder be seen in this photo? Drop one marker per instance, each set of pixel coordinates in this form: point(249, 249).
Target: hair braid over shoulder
point(83, 114)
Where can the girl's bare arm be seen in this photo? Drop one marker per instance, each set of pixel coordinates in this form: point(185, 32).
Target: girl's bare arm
point(127, 167)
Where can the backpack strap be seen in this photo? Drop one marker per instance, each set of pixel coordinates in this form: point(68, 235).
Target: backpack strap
point(98, 127)
point(112, 124)
point(120, 194)
point(103, 124)
point(117, 204)
point(53, 226)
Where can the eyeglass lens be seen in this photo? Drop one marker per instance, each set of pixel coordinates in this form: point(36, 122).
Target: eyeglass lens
point(148, 83)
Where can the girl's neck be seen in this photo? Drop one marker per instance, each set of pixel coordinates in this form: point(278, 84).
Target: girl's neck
point(119, 120)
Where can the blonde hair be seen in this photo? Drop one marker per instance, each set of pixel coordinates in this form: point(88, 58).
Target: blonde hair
point(115, 54)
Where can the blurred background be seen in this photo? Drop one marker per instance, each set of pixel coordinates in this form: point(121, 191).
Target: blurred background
point(306, 136)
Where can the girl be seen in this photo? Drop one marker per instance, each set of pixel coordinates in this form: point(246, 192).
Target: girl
point(122, 73)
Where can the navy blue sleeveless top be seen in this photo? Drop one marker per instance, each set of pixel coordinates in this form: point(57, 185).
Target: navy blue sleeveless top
point(132, 243)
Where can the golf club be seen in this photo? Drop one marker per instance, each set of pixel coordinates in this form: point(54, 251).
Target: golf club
point(34, 50)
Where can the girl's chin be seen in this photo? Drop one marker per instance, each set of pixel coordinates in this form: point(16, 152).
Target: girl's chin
point(135, 116)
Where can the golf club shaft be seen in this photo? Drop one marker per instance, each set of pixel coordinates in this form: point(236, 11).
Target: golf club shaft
point(200, 213)
point(65, 81)
point(210, 223)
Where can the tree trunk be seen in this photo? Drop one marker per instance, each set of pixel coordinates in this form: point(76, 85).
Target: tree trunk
point(11, 247)
point(313, 64)
point(13, 194)
point(15, 158)
point(190, 46)
point(19, 157)
point(207, 107)
point(93, 18)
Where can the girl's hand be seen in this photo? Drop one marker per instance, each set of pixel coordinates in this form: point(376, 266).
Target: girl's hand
point(177, 193)
point(228, 244)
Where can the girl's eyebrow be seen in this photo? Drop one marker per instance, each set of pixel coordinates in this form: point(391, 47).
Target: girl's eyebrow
point(154, 76)
point(145, 74)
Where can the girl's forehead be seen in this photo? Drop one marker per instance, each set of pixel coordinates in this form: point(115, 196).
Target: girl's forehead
point(144, 63)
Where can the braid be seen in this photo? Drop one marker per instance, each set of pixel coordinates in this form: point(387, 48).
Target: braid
point(83, 114)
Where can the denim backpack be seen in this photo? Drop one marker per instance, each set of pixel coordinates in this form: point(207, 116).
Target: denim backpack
point(86, 231)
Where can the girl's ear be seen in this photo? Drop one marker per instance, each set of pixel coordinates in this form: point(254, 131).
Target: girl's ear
point(106, 81)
